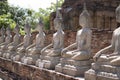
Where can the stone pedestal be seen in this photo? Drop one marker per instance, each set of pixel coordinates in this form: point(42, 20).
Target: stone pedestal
point(50, 62)
point(30, 72)
point(18, 56)
point(72, 67)
point(103, 72)
point(8, 54)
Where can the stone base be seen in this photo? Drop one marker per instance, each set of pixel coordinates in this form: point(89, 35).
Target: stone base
point(7, 54)
point(96, 75)
point(73, 68)
point(103, 72)
point(18, 56)
point(30, 72)
point(105, 68)
point(50, 62)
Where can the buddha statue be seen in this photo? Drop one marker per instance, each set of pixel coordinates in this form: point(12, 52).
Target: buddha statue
point(52, 52)
point(82, 53)
point(8, 39)
point(107, 66)
point(13, 45)
point(58, 40)
point(113, 58)
point(2, 35)
point(27, 41)
point(33, 51)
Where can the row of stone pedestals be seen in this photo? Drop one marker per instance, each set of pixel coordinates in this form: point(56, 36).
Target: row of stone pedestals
point(31, 72)
point(105, 72)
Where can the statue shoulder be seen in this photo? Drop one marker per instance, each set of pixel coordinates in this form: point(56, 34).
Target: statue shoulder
point(118, 29)
point(63, 32)
point(44, 34)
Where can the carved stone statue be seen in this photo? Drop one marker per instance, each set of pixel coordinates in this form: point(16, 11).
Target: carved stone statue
point(8, 39)
point(2, 35)
point(115, 45)
point(83, 51)
point(33, 51)
point(13, 45)
point(107, 66)
point(27, 41)
point(52, 52)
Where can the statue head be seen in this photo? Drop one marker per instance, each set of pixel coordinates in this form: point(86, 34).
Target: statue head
point(17, 29)
point(8, 30)
point(84, 18)
point(118, 14)
point(58, 20)
point(2, 31)
point(40, 25)
point(27, 28)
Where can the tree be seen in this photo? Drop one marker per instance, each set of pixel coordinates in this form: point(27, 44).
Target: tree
point(53, 6)
point(45, 13)
point(10, 15)
point(4, 7)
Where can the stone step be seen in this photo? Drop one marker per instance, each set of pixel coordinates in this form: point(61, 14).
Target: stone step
point(72, 70)
point(79, 63)
point(106, 68)
point(76, 63)
point(98, 75)
point(31, 72)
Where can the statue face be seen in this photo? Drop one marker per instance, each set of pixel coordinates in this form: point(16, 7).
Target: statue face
point(2, 31)
point(8, 32)
point(57, 24)
point(40, 27)
point(83, 21)
point(118, 16)
point(27, 30)
point(16, 30)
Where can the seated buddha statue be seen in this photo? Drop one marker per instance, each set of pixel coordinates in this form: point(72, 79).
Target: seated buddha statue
point(13, 45)
point(114, 58)
point(83, 40)
point(76, 57)
point(2, 35)
point(8, 39)
point(106, 64)
point(50, 55)
point(55, 48)
point(33, 51)
point(27, 41)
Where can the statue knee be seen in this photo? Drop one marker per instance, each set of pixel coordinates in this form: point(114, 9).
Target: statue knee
point(115, 62)
point(81, 56)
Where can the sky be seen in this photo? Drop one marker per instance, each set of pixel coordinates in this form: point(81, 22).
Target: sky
point(32, 4)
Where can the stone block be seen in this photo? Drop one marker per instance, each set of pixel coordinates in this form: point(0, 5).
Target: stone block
point(79, 63)
point(59, 68)
point(90, 75)
point(50, 62)
point(75, 70)
point(98, 75)
point(107, 76)
point(30, 72)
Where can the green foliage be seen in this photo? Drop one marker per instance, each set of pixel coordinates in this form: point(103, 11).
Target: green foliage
point(3, 7)
point(46, 22)
point(53, 6)
point(5, 21)
point(10, 15)
point(45, 13)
